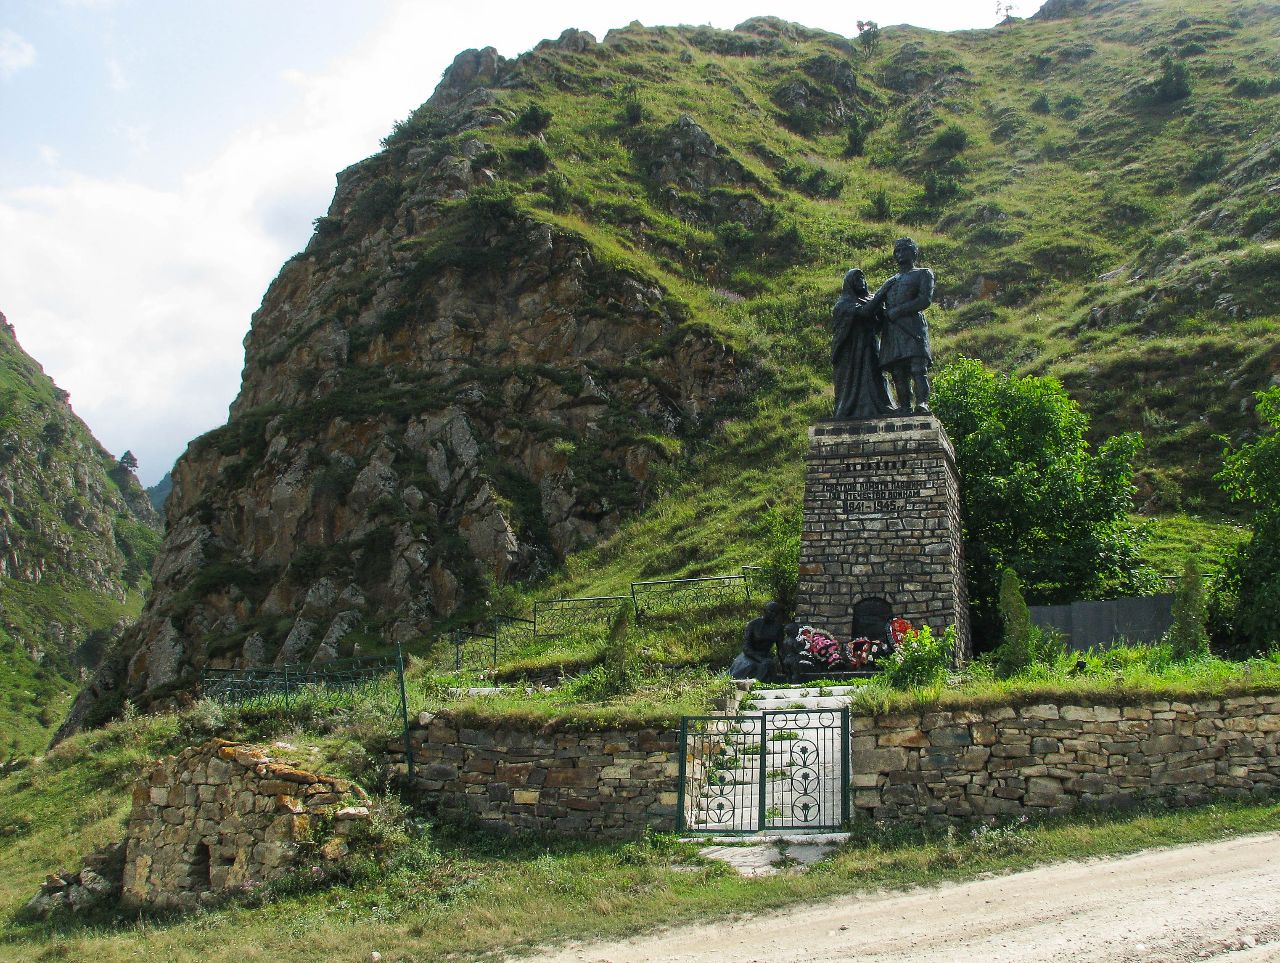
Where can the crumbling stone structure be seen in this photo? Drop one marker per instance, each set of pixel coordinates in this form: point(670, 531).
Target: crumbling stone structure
point(224, 817)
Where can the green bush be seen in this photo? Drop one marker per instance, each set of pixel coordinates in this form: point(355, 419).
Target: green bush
point(879, 206)
point(1174, 82)
point(920, 658)
point(782, 528)
point(1023, 644)
point(533, 158)
point(940, 188)
point(1256, 86)
point(534, 120)
point(951, 140)
point(1069, 106)
point(813, 181)
point(1188, 637)
point(1245, 605)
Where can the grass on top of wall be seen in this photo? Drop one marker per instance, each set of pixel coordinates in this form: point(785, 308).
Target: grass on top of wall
point(1122, 675)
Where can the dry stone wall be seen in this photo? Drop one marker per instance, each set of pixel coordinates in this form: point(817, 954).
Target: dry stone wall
point(224, 817)
point(611, 783)
point(1049, 759)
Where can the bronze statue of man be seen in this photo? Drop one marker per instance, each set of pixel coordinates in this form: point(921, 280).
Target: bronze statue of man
point(905, 352)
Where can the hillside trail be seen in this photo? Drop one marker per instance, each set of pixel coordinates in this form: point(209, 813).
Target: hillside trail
point(1215, 901)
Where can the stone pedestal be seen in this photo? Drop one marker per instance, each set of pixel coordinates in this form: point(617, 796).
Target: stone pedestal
point(882, 531)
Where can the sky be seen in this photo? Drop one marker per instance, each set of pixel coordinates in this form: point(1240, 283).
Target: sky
point(163, 158)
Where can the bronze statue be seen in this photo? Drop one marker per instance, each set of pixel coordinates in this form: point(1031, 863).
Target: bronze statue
point(905, 352)
point(761, 639)
point(855, 329)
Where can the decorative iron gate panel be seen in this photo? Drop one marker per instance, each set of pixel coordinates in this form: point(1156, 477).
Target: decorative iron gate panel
point(785, 769)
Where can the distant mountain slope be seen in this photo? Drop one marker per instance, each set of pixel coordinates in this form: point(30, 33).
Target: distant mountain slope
point(159, 492)
point(578, 303)
point(77, 537)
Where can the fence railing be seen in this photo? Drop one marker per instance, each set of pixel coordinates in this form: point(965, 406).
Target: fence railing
point(474, 650)
point(668, 595)
point(562, 616)
point(553, 617)
point(327, 684)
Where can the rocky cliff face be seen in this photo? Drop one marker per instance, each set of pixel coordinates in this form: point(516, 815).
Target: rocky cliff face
point(442, 391)
point(77, 535)
point(65, 503)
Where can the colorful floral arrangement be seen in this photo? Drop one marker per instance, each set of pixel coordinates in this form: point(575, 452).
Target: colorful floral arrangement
point(821, 650)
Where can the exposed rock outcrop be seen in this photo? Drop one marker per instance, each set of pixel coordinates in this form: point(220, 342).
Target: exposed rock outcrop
point(440, 390)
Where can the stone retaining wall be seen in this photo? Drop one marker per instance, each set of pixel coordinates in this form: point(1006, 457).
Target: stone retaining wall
point(223, 816)
point(1049, 759)
point(611, 783)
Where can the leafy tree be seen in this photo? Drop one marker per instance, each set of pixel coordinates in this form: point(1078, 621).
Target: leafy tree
point(1187, 635)
point(129, 461)
point(869, 37)
point(1245, 606)
point(1035, 498)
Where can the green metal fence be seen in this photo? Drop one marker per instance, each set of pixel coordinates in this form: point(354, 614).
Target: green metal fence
point(562, 616)
point(673, 595)
point(775, 770)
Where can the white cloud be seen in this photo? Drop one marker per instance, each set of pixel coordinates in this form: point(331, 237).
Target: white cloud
point(15, 54)
point(136, 299)
point(116, 75)
point(49, 154)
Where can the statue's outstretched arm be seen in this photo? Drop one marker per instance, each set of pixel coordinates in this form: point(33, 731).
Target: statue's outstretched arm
point(878, 299)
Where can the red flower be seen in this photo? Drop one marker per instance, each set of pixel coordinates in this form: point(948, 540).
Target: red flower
point(899, 628)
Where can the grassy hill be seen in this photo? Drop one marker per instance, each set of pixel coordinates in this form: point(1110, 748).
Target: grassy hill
point(1094, 192)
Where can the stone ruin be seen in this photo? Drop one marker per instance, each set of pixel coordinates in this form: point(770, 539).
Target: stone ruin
point(224, 817)
point(211, 821)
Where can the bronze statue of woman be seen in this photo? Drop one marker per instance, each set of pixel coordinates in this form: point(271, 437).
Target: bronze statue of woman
point(855, 336)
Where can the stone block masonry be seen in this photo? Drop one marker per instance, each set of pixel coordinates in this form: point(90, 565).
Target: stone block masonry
point(574, 782)
point(221, 817)
point(882, 528)
point(964, 764)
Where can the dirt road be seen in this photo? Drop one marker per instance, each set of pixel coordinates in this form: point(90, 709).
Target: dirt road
point(1211, 901)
